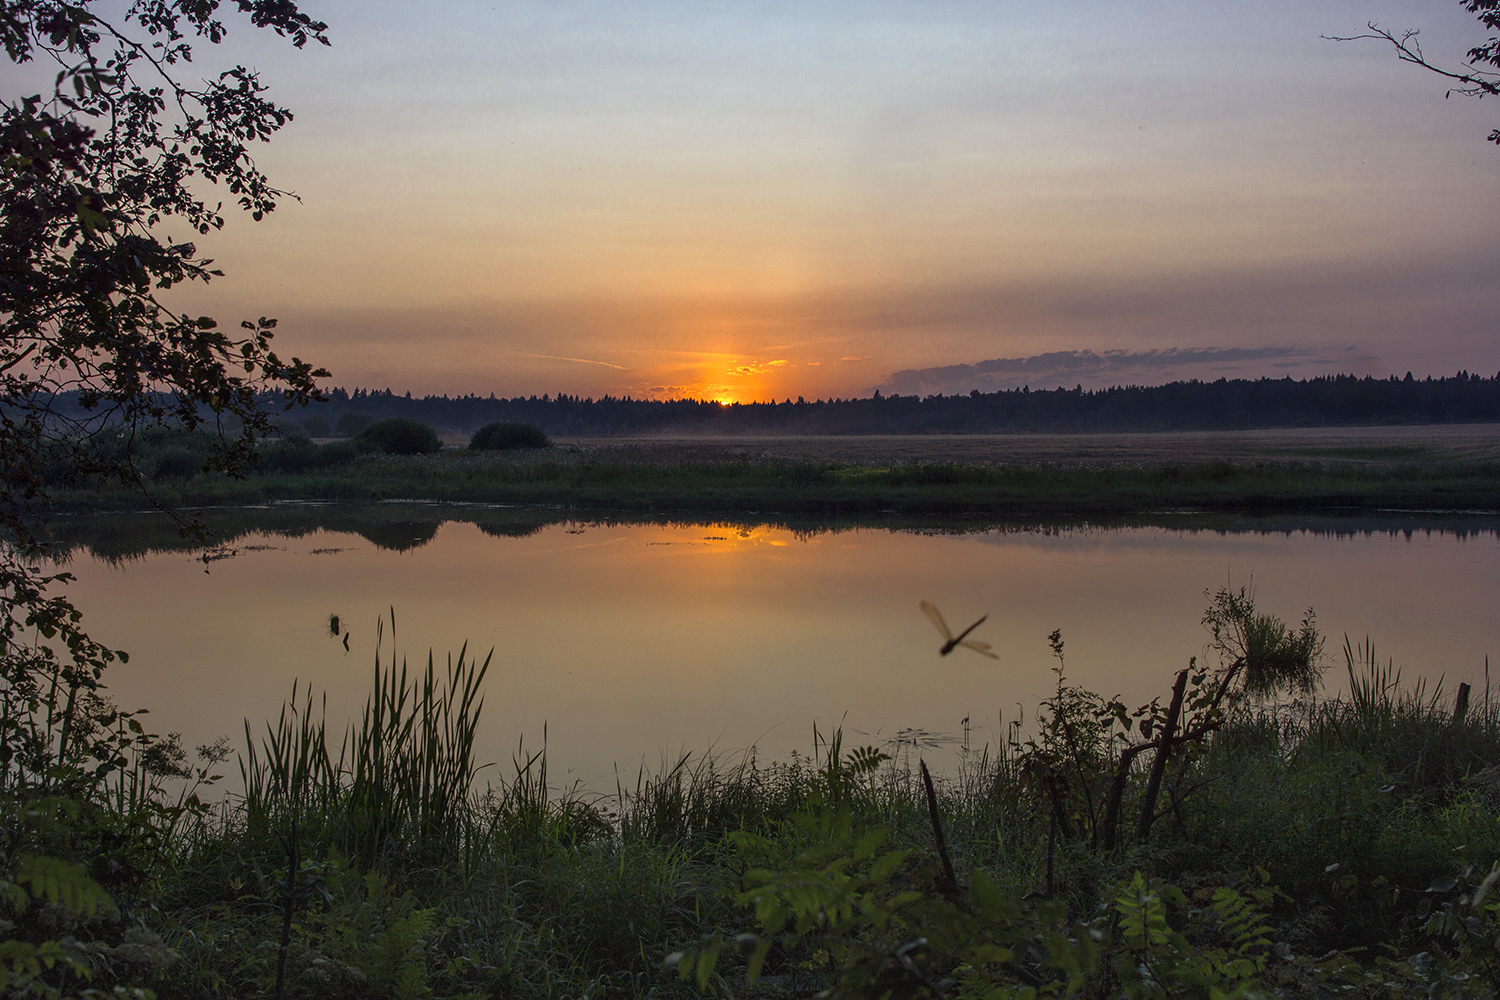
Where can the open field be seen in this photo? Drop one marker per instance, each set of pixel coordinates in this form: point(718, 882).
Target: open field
point(1331, 445)
point(1427, 469)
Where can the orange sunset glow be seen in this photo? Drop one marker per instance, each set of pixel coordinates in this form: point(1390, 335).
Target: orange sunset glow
point(756, 202)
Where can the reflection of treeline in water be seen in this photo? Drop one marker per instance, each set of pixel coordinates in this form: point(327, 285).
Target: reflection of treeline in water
point(122, 536)
point(400, 527)
point(1239, 404)
point(1220, 841)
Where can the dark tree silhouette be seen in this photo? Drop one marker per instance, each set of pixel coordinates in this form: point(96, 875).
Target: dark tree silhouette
point(105, 177)
point(401, 436)
point(1478, 79)
point(1238, 404)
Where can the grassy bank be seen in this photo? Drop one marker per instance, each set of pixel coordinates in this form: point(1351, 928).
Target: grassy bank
point(613, 481)
point(1310, 846)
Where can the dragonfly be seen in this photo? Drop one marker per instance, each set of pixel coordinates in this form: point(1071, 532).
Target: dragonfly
point(953, 641)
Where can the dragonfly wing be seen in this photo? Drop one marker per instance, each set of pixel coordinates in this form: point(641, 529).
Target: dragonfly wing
point(971, 628)
point(929, 609)
point(983, 648)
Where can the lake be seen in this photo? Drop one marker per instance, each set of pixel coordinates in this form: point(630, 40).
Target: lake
point(627, 643)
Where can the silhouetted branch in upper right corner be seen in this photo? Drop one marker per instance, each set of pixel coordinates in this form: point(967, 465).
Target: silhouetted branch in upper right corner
point(1472, 81)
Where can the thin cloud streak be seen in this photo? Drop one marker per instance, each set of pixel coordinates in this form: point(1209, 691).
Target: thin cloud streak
point(581, 361)
point(1097, 369)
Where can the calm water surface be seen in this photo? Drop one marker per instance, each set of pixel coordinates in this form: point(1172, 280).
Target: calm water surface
point(630, 642)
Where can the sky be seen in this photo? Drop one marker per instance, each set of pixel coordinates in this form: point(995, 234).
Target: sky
point(821, 198)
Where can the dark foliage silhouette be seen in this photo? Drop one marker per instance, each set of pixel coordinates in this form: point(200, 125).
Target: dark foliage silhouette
point(401, 436)
point(1240, 404)
point(509, 437)
point(106, 176)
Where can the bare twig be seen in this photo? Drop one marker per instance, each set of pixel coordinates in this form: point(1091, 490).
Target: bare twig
point(1475, 82)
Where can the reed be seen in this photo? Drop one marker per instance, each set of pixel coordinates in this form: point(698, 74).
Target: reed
point(528, 815)
point(1427, 743)
point(401, 782)
point(701, 797)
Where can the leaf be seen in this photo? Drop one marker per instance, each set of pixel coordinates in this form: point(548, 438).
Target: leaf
point(63, 884)
point(757, 960)
point(991, 954)
point(989, 901)
point(707, 959)
point(905, 898)
point(865, 847)
point(887, 865)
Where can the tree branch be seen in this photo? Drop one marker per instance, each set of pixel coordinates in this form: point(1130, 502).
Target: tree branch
point(1476, 83)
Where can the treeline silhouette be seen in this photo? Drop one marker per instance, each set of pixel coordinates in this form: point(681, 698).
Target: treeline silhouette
point(1238, 404)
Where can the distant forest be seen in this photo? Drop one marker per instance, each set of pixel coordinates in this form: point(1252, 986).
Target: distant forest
point(1239, 404)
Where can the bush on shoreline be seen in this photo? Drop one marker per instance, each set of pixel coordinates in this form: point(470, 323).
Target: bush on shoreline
point(352, 423)
point(400, 436)
point(509, 437)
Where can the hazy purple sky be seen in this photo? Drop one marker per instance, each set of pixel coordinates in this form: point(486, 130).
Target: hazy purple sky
point(756, 199)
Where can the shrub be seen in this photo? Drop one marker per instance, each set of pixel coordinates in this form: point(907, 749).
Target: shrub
point(287, 428)
point(339, 452)
point(353, 424)
point(289, 455)
point(401, 436)
point(299, 455)
point(177, 463)
point(506, 437)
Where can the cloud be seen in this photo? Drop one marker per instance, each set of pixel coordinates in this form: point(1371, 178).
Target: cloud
point(1097, 369)
point(581, 361)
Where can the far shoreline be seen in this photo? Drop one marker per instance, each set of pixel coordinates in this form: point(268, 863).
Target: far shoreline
point(1448, 468)
point(1442, 442)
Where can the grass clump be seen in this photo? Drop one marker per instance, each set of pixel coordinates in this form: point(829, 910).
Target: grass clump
point(509, 437)
point(401, 781)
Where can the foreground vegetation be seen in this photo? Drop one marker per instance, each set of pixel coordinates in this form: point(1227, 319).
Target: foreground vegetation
point(357, 469)
point(1216, 842)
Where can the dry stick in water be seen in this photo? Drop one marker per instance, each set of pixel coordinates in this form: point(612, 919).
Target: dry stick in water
point(1212, 721)
point(950, 881)
point(1159, 764)
point(1117, 790)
